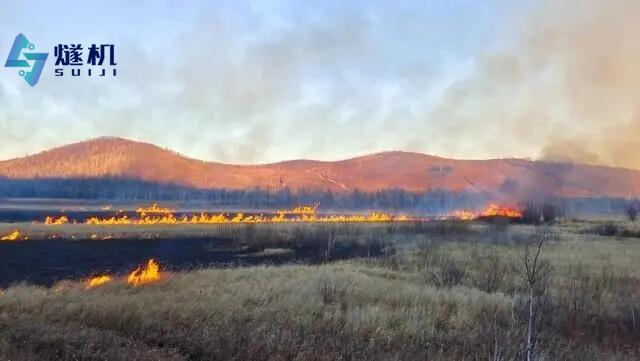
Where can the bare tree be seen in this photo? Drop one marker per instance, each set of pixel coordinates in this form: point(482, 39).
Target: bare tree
point(536, 275)
point(632, 211)
point(331, 242)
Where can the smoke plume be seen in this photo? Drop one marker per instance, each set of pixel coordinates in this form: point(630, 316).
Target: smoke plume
point(566, 87)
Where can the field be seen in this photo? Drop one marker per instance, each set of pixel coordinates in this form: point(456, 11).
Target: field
point(441, 290)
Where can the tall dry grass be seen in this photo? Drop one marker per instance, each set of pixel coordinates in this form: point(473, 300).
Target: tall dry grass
point(444, 292)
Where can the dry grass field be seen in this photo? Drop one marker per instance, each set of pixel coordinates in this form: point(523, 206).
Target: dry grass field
point(443, 291)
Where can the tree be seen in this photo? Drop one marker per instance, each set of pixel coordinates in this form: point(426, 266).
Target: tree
point(549, 212)
point(531, 212)
point(536, 274)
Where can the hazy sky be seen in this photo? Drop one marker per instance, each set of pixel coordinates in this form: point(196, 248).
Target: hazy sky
point(258, 81)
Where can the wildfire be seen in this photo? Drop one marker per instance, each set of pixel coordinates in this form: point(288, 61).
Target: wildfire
point(56, 221)
point(222, 218)
point(154, 209)
point(141, 276)
point(97, 281)
point(463, 215)
point(156, 215)
point(13, 236)
point(308, 210)
point(160, 215)
point(151, 273)
point(492, 210)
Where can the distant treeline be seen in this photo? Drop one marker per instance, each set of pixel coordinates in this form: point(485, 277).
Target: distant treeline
point(432, 201)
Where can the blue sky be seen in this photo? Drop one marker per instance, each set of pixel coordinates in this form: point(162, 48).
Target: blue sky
point(261, 81)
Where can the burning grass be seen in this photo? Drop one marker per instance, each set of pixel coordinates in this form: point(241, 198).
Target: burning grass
point(155, 215)
point(491, 211)
point(450, 291)
point(97, 281)
point(154, 208)
point(139, 226)
point(149, 274)
point(223, 218)
point(13, 236)
point(56, 220)
point(141, 276)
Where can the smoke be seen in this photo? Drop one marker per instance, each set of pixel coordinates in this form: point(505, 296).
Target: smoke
point(566, 87)
point(234, 82)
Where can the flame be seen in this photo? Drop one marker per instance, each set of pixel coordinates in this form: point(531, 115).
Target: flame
point(492, 210)
point(13, 236)
point(463, 215)
point(154, 209)
point(222, 218)
point(300, 210)
point(56, 221)
point(298, 214)
point(156, 215)
point(141, 276)
point(160, 215)
point(97, 281)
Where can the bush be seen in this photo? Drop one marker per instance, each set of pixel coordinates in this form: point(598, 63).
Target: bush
point(447, 274)
point(491, 274)
point(331, 291)
point(608, 229)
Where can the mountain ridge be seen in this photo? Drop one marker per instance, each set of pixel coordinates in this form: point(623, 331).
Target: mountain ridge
point(411, 171)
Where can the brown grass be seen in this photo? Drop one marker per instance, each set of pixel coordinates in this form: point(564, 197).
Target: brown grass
point(445, 293)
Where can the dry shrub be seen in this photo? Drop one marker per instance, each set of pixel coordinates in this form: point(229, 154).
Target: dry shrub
point(331, 291)
point(491, 274)
point(447, 274)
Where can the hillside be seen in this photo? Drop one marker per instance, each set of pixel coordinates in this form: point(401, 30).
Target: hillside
point(116, 157)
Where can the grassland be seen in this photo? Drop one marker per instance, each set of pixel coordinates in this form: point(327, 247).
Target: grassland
point(440, 291)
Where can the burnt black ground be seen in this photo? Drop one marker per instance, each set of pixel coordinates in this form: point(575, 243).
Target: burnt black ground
point(44, 262)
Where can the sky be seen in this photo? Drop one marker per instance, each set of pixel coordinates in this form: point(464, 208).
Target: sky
point(265, 81)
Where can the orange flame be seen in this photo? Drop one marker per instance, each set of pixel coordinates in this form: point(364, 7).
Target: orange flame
point(463, 215)
point(166, 216)
point(154, 209)
point(97, 281)
point(298, 214)
point(222, 218)
point(56, 221)
point(300, 210)
point(13, 236)
point(141, 276)
point(492, 210)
